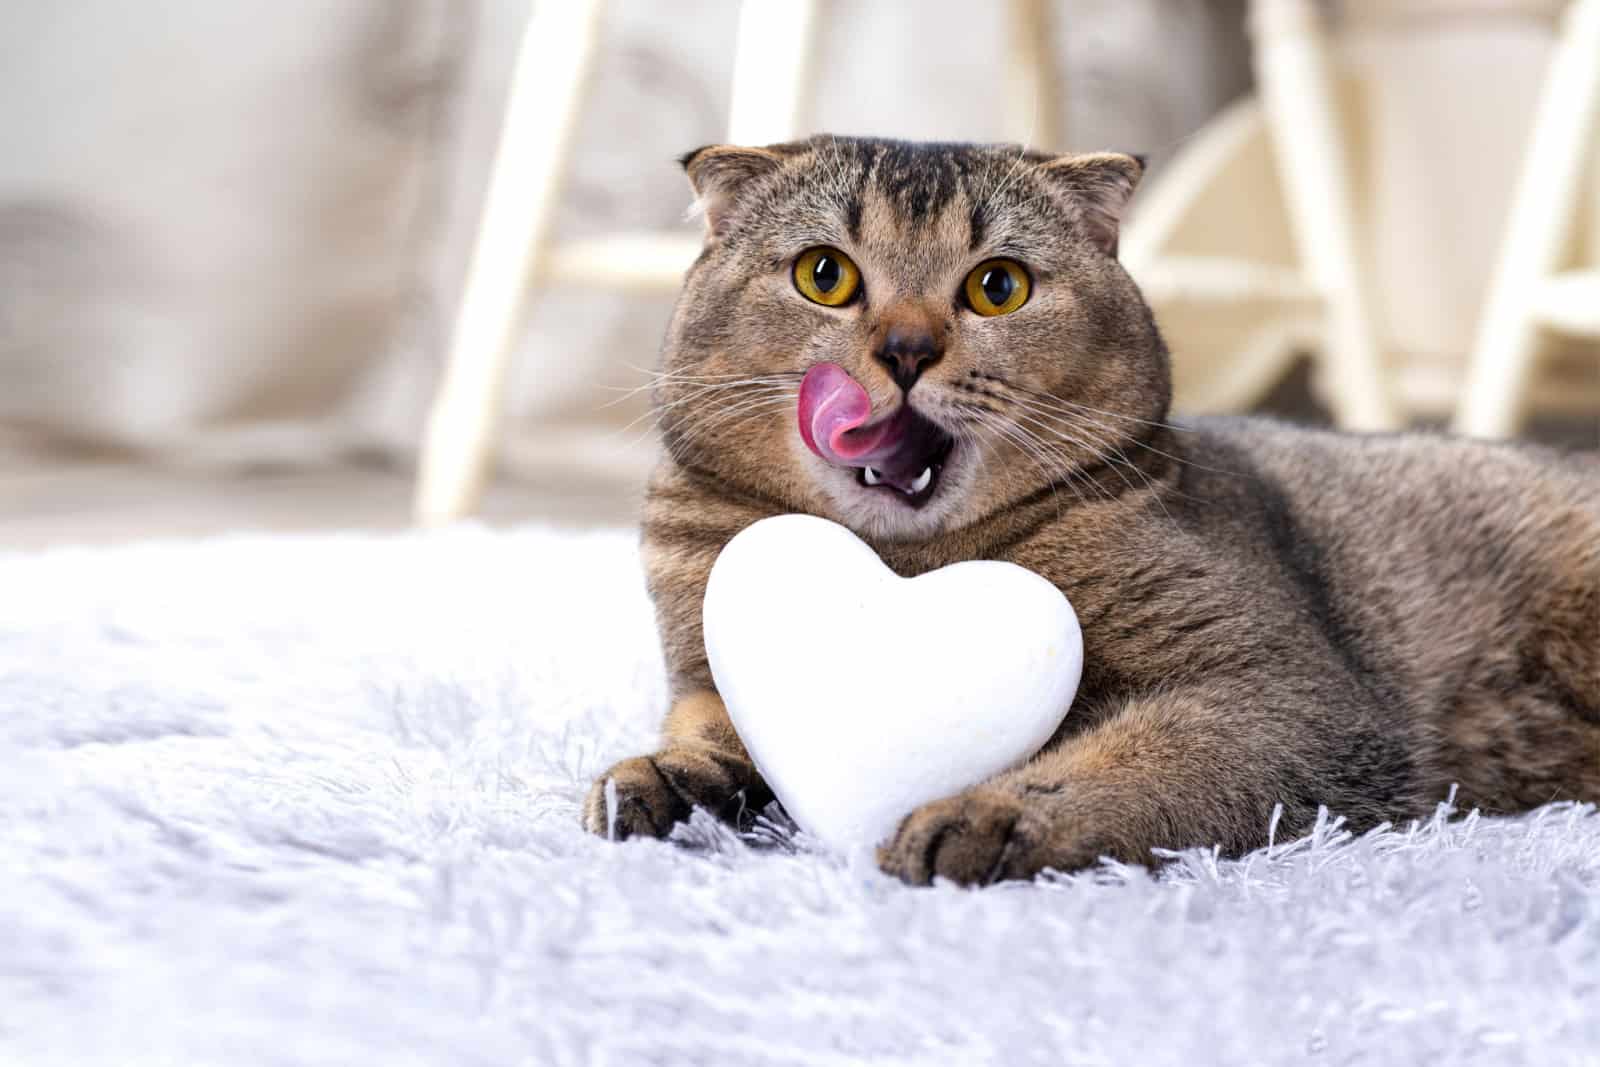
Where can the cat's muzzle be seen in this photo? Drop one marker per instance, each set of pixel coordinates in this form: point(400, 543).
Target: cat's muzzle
point(901, 453)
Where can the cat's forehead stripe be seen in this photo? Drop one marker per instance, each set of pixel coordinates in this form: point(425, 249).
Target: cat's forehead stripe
point(852, 215)
point(921, 179)
point(921, 182)
point(977, 226)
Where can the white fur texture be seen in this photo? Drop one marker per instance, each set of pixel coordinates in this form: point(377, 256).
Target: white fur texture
point(315, 801)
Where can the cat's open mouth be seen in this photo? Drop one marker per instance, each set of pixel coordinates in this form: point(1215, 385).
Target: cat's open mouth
point(910, 467)
point(902, 453)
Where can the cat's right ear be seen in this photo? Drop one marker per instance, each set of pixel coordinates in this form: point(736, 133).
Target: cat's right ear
point(1100, 183)
point(718, 174)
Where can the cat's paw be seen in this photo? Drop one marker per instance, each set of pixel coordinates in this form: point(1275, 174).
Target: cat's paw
point(654, 793)
point(979, 837)
point(966, 838)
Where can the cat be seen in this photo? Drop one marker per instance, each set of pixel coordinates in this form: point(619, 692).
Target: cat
point(1271, 615)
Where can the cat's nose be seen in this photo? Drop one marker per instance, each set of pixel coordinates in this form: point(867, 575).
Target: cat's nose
point(907, 352)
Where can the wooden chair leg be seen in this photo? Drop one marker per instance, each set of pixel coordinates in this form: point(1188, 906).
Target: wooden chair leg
point(1034, 117)
point(773, 49)
point(1295, 72)
point(552, 67)
point(1561, 146)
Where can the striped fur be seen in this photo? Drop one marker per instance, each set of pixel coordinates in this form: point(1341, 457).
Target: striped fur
point(1272, 616)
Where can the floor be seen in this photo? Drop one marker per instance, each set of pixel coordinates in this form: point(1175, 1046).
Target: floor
point(315, 803)
point(55, 500)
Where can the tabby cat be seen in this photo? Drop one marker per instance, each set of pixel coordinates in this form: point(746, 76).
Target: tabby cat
point(1271, 615)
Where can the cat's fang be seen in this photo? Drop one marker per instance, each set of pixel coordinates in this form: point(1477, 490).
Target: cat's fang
point(870, 476)
point(922, 480)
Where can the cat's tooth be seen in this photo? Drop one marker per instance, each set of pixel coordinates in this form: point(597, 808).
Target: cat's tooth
point(870, 476)
point(922, 480)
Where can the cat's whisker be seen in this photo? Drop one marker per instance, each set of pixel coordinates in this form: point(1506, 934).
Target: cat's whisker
point(1056, 407)
point(704, 392)
point(711, 378)
point(693, 443)
point(1099, 448)
point(626, 393)
point(1114, 437)
point(971, 417)
point(1054, 400)
point(1106, 449)
point(768, 395)
point(656, 411)
point(1022, 150)
point(723, 419)
point(656, 415)
point(841, 181)
point(1056, 410)
point(1047, 417)
point(1116, 462)
point(732, 382)
point(1071, 468)
point(663, 375)
point(1095, 415)
point(1057, 472)
point(693, 381)
point(776, 394)
point(1077, 494)
point(1064, 460)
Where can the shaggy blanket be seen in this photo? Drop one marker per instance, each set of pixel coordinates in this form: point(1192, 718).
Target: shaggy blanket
point(315, 801)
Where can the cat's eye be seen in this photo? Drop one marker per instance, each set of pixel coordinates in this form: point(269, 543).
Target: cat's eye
point(996, 287)
point(826, 276)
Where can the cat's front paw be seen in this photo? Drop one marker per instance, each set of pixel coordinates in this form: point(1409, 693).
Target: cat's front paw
point(979, 837)
point(653, 793)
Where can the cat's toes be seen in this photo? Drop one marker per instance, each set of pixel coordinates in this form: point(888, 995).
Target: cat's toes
point(643, 804)
point(973, 838)
point(653, 793)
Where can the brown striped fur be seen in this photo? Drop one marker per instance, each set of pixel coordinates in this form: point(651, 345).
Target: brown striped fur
point(1271, 615)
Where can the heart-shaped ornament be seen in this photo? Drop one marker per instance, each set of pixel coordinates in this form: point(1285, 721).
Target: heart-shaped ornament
point(861, 695)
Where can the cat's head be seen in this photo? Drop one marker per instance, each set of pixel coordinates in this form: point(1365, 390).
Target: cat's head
point(907, 337)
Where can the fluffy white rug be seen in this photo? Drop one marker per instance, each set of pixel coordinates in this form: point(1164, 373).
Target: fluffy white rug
point(314, 801)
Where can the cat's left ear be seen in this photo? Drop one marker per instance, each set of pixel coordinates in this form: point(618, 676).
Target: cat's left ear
point(718, 173)
point(1101, 184)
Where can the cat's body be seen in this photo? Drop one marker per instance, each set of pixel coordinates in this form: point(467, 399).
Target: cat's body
point(1270, 615)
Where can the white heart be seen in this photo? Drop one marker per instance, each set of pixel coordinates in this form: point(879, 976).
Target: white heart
point(861, 695)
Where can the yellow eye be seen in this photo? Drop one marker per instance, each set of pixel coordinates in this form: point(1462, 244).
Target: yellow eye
point(826, 276)
point(996, 287)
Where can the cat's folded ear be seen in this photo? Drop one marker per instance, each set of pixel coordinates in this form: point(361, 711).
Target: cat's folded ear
point(718, 174)
point(1101, 184)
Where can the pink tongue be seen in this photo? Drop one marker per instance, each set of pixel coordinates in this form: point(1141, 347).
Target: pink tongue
point(832, 406)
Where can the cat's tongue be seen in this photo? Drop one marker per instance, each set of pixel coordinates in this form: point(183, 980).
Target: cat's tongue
point(833, 407)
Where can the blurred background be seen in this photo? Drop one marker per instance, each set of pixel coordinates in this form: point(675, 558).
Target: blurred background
point(233, 235)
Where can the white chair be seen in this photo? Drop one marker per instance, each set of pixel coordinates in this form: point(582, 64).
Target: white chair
point(1531, 293)
point(774, 44)
point(1248, 248)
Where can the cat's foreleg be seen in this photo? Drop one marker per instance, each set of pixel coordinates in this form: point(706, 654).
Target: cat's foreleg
point(1171, 770)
